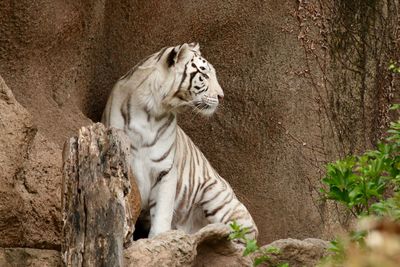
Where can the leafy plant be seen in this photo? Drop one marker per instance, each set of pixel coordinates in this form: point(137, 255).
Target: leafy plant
point(362, 183)
point(251, 247)
point(367, 185)
point(388, 208)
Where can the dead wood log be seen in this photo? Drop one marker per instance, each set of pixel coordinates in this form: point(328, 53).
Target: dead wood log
point(100, 199)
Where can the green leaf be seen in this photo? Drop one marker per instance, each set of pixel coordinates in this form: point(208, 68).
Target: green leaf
point(336, 246)
point(394, 68)
point(251, 247)
point(238, 232)
point(358, 236)
point(260, 259)
point(394, 107)
point(235, 226)
point(234, 235)
point(272, 250)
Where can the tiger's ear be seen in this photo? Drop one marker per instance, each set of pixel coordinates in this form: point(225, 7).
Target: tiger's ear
point(179, 54)
point(195, 47)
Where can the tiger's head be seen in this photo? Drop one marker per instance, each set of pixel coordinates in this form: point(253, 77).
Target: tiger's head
point(191, 79)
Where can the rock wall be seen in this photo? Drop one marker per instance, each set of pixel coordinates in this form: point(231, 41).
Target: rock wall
point(30, 180)
point(269, 139)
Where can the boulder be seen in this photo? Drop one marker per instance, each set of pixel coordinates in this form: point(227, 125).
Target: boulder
point(208, 247)
point(307, 252)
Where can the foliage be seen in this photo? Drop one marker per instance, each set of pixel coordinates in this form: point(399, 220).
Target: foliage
point(388, 208)
point(364, 183)
point(263, 255)
point(338, 247)
point(367, 185)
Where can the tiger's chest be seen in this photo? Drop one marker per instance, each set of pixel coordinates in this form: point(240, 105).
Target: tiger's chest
point(153, 150)
point(147, 172)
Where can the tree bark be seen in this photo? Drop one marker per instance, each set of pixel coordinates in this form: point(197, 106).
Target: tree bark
point(100, 199)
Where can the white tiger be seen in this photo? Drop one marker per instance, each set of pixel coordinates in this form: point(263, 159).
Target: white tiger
point(178, 186)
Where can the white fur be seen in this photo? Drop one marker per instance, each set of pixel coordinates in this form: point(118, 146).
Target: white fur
point(144, 103)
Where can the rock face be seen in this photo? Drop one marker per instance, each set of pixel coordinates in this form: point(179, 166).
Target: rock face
point(295, 95)
point(29, 257)
point(30, 177)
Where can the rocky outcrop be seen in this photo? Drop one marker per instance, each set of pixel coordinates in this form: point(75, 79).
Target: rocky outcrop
point(208, 247)
point(16, 133)
point(307, 252)
point(30, 176)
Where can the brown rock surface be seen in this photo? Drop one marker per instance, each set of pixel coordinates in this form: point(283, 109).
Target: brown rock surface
point(29, 257)
point(17, 132)
point(307, 252)
point(278, 124)
point(208, 247)
point(30, 177)
point(39, 185)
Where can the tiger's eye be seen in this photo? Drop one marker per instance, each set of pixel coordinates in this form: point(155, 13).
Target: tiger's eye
point(205, 75)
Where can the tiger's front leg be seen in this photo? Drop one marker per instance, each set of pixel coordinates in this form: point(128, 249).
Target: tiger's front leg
point(164, 194)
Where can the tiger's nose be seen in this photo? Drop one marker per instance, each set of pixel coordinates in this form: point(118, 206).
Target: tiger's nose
point(220, 98)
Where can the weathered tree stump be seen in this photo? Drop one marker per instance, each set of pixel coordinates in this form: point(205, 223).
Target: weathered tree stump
point(100, 199)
